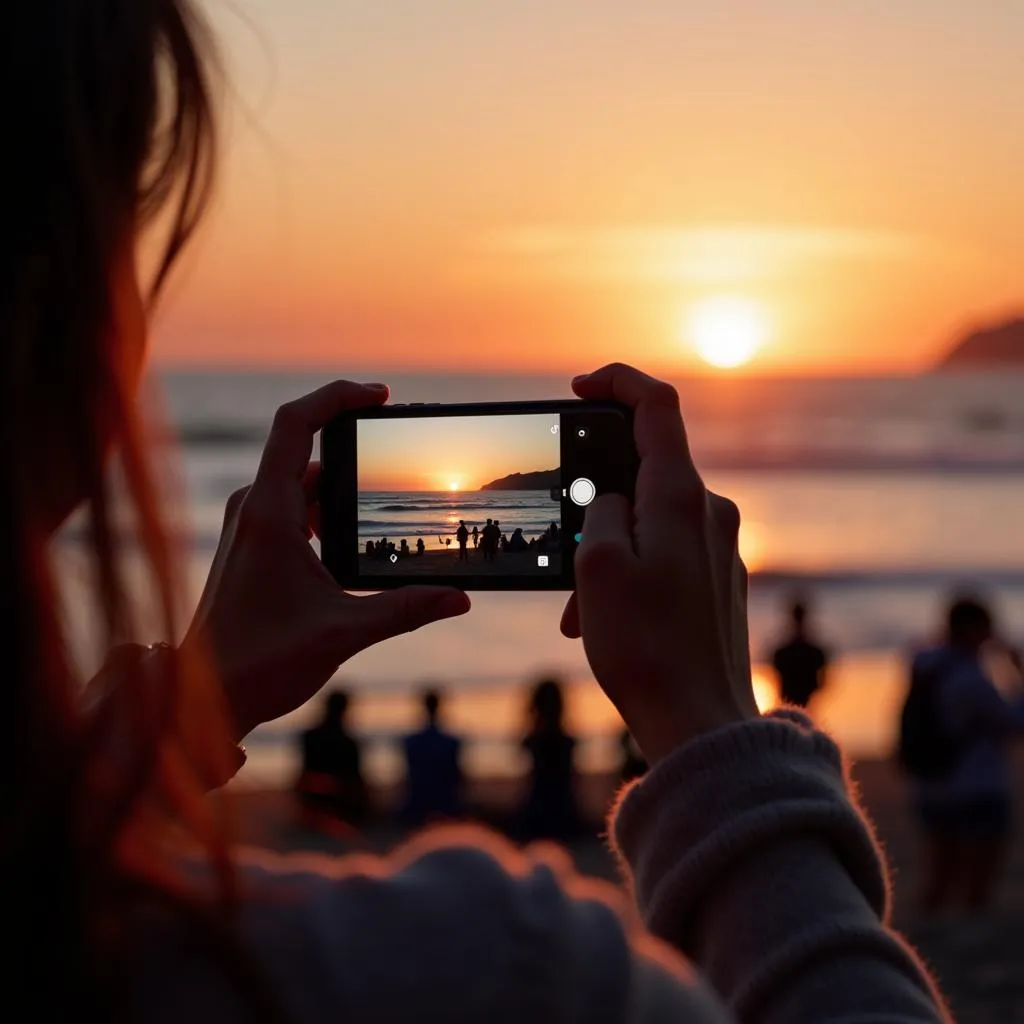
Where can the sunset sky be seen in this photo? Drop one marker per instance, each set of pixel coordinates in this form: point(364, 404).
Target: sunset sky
point(458, 454)
point(796, 186)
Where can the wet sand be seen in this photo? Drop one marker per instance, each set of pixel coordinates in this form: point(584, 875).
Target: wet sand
point(979, 959)
point(447, 563)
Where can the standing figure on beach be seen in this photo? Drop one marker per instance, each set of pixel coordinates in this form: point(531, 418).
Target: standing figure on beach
point(421, 548)
point(800, 663)
point(332, 774)
point(955, 731)
point(433, 777)
point(488, 542)
point(476, 537)
point(549, 811)
point(462, 536)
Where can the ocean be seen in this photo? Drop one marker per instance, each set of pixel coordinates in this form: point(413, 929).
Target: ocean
point(435, 515)
point(874, 497)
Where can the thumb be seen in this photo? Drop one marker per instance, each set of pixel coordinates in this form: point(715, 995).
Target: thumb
point(606, 551)
point(606, 564)
point(401, 611)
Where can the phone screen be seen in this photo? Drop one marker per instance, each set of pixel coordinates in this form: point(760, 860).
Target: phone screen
point(460, 496)
point(483, 497)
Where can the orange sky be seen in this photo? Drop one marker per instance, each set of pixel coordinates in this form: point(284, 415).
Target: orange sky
point(458, 454)
point(536, 186)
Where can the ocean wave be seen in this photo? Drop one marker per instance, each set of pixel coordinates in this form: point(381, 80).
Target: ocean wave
point(862, 462)
point(206, 435)
point(374, 528)
point(493, 506)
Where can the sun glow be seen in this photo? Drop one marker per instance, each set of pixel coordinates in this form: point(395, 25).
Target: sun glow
point(726, 331)
point(454, 485)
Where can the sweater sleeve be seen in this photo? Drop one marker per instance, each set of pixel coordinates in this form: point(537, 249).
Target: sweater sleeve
point(748, 853)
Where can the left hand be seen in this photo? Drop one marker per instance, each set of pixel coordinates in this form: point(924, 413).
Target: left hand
point(271, 616)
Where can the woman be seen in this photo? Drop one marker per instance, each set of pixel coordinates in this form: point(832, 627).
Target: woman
point(122, 895)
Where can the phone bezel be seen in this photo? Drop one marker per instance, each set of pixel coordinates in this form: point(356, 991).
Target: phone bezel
point(339, 492)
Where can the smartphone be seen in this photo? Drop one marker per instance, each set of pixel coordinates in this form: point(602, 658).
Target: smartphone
point(480, 497)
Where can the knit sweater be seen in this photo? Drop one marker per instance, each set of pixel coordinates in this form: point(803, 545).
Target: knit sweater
point(762, 890)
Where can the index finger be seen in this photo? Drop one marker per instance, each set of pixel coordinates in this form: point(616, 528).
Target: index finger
point(657, 421)
point(290, 444)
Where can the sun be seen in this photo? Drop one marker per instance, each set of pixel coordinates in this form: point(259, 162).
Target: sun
point(454, 485)
point(726, 331)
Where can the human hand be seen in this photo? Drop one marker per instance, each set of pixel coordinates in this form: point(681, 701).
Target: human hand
point(661, 591)
point(272, 617)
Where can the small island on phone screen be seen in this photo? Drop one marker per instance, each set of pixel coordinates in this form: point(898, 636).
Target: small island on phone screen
point(463, 495)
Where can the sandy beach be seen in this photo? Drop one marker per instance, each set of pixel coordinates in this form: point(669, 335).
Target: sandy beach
point(979, 960)
point(447, 563)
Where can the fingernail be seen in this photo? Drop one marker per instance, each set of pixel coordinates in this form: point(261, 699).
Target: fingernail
point(453, 603)
point(376, 387)
point(579, 377)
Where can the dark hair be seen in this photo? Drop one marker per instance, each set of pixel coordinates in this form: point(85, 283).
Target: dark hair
point(547, 703)
point(798, 611)
point(337, 706)
point(109, 124)
point(431, 703)
point(967, 616)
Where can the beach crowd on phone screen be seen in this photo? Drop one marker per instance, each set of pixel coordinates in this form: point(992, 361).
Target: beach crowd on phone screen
point(469, 550)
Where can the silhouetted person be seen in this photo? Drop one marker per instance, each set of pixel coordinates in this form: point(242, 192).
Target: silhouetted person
point(634, 764)
point(433, 787)
point(370, 549)
point(549, 810)
point(800, 663)
point(476, 537)
point(489, 541)
point(517, 542)
point(403, 549)
point(332, 776)
point(420, 546)
point(462, 536)
point(554, 533)
point(955, 730)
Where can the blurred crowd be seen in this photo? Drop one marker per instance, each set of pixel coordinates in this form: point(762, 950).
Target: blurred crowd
point(955, 730)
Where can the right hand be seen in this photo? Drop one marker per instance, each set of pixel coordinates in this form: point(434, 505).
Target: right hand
point(661, 591)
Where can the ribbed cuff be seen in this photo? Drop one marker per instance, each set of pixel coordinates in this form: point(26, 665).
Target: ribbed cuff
point(696, 815)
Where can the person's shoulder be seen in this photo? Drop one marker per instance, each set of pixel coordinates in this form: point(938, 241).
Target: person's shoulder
point(457, 910)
